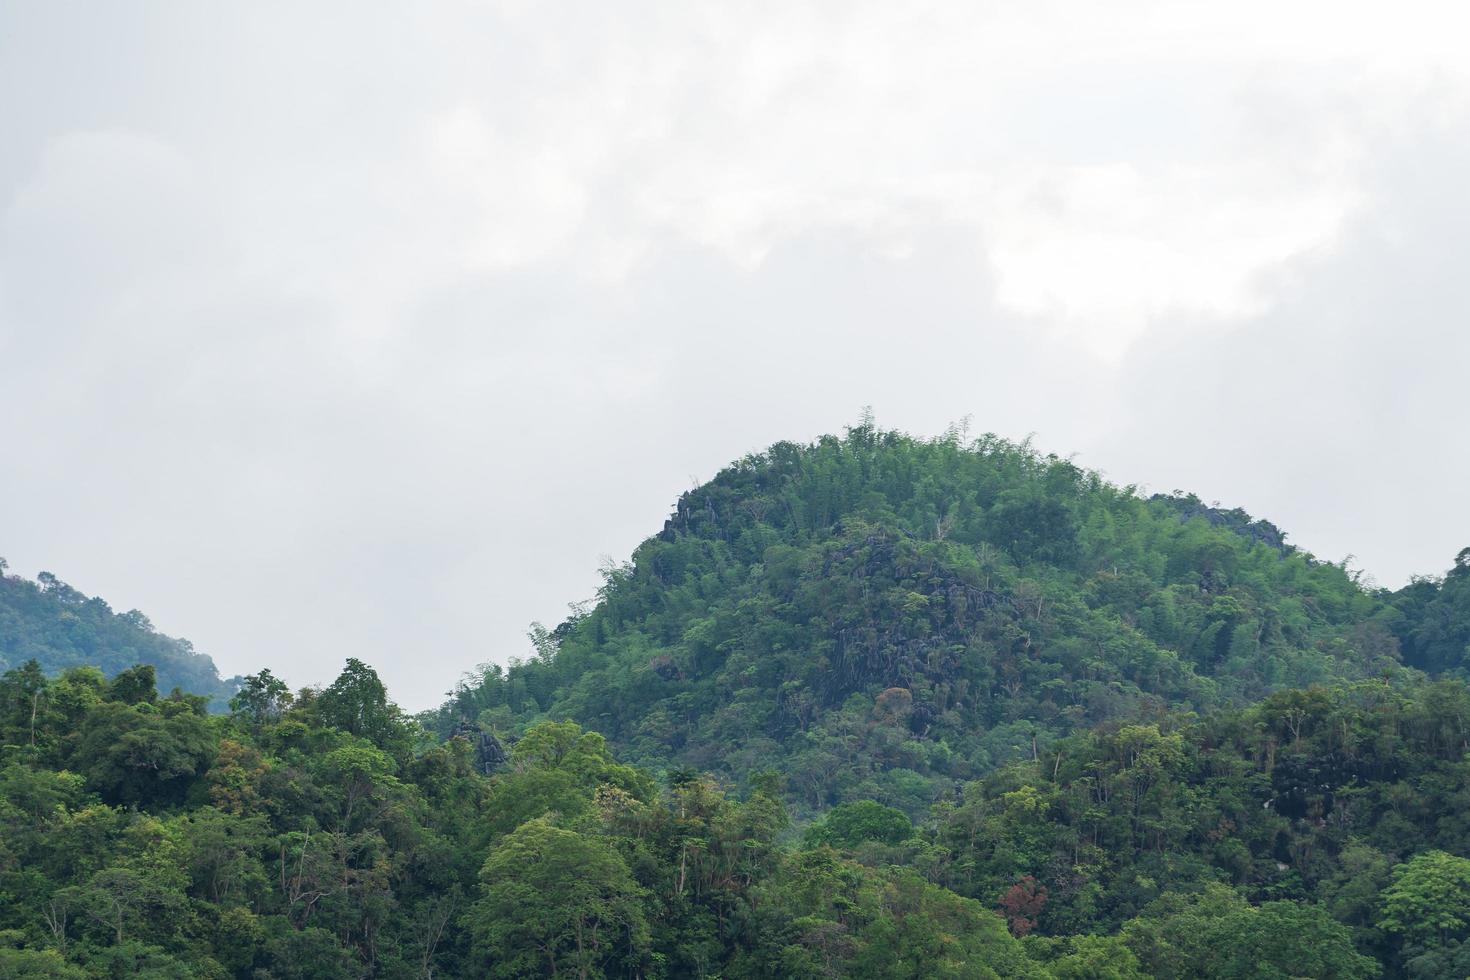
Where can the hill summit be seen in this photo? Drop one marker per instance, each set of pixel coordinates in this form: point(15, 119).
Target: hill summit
point(877, 616)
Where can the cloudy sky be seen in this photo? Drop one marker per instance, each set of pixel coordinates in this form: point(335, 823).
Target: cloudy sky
point(371, 330)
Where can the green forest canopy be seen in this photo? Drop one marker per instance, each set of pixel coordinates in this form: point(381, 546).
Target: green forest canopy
point(873, 707)
point(322, 834)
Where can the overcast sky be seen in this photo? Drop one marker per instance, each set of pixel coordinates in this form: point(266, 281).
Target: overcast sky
point(368, 330)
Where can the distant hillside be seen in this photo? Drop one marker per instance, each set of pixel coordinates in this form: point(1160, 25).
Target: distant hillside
point(1434, 626)
point(60, 627)
point(876, 616)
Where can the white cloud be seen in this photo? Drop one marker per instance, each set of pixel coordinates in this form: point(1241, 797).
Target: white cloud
point(329, 331)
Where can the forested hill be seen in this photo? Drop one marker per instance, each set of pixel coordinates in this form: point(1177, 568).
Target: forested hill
point(1032, 725)
point(875, 616)
point(59, 627)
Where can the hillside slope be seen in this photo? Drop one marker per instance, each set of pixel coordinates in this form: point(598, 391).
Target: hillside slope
point(59, 627)
point(876, 616)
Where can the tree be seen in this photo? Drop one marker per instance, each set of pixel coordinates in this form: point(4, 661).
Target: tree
point(31, 964)
point(1172, 937)
point(1215, 934)
point(1096, 958)
point(137, 753)
point(1022, 904)
point(22, 694)
point(357, 702)
point(220, 852)
point(918, 931)
point(557, 903)
point(1428, 901)
point(357, 772)
point(261, 700)
point(1287, 939)
point(136, 685)
point(850, 824)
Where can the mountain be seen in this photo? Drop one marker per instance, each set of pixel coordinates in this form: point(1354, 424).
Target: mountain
point(962, 711)
point(59, 627)
point(875, 616)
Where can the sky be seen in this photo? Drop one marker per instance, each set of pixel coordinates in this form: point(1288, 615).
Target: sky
point(364, 330)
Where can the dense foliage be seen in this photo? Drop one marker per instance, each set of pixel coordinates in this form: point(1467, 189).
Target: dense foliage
point(1434, 626)
point(873, 707)
point(52, 623)
point(1349, 801)
point(877, 617)
point(140, 836)
point(324, 835)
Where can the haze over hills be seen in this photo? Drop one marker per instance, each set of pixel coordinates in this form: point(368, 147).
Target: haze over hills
point(877, 616)
point(59, 627)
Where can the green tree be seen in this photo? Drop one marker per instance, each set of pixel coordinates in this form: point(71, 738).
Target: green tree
point(554, 902)
point(142, 753)
point(262, 699)
point(1280, 940)
point(1215, 934)
point(34, 964)
point(1095, 958)
point(136, 685)
point(1428, 901)
point(357, 702)
point(849, 824)
point(23, 704)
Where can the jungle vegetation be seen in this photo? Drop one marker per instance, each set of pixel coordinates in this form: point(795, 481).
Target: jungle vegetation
point(869, 707)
